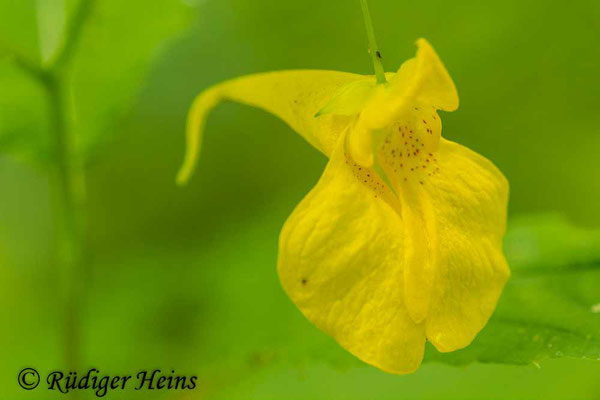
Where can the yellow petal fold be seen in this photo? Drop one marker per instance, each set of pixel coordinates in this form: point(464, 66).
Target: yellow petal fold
point(294, 96)
point(420, 250)
point(341, 262)
point(468, 200)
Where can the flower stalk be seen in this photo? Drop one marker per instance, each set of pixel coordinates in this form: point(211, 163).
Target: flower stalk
point(373, 49)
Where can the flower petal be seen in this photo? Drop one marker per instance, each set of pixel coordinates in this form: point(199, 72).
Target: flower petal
point(424, 79)
point(350, 99)
point(419, 251)
point(468, 198)
point(340, 261)
point(421, 86)
point(436, 88)
point(294, 96)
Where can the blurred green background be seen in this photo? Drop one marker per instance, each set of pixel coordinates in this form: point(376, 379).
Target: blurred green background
point(185, 278)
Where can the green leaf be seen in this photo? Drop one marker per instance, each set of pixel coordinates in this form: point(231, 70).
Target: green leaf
point(107, 66)
point(18, 28)
point(119, 43)
point(23, 118)
point(22, 109)
point(550, 307)
point(51, 16)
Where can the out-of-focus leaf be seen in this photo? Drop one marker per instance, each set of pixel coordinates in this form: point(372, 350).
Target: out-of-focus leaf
point(18, 28)
point(23, 117)
point(551, 305)
point(109, 63)
point(119, 42)
point(23, 126)
point(51, 18)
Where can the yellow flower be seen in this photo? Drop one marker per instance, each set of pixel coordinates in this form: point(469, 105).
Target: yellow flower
point(400, 241)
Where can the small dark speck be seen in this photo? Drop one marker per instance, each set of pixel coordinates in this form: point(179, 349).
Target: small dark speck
point(378, 54)
point(304, 281)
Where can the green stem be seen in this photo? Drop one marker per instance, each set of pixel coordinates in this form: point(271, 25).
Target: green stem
point(69, 181)
point(375, 54)
point(68, 176)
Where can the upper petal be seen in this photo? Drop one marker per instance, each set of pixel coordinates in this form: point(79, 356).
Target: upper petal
point(340, 261)
point(421, 86)
point(293, 96)
point(468, 198)
point(422, 80)
point(427, 79)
